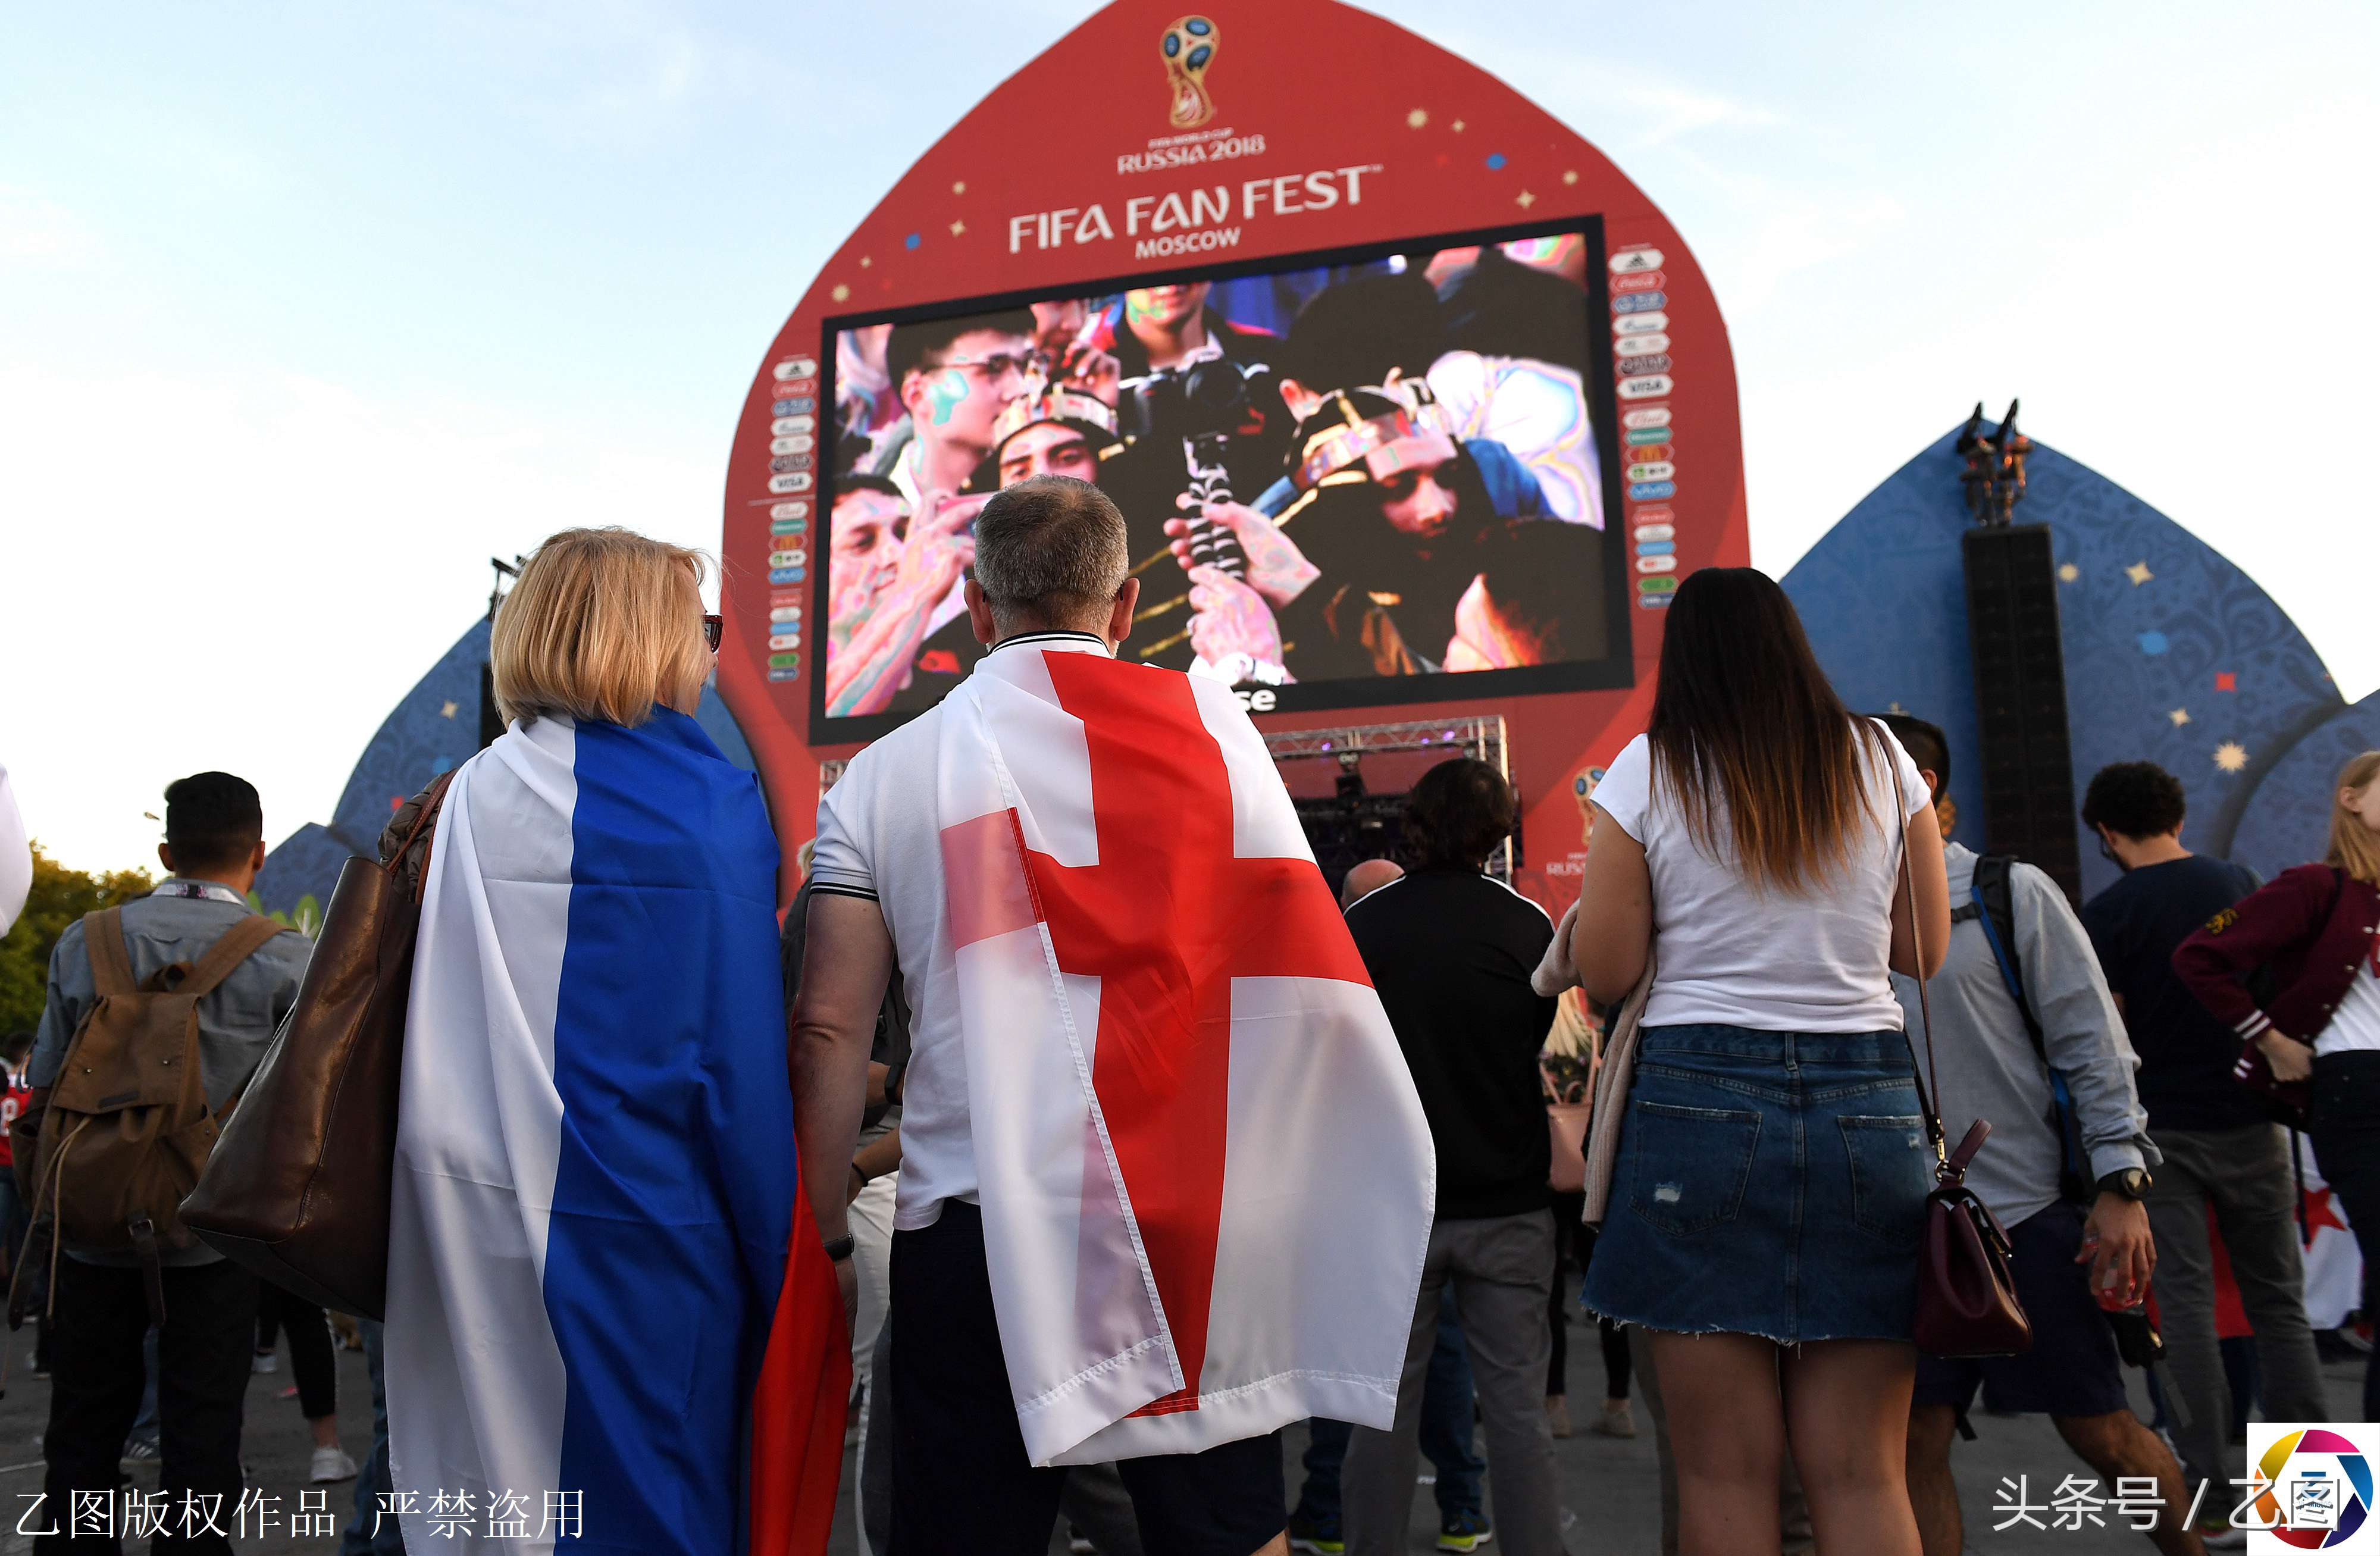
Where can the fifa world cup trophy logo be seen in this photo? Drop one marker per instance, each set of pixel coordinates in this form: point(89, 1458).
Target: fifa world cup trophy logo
point(1189, 48)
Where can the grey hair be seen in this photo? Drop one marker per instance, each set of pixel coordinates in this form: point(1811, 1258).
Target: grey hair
point(1051, 548)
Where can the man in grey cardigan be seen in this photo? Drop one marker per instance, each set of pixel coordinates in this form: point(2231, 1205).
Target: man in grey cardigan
point(2070, 1242)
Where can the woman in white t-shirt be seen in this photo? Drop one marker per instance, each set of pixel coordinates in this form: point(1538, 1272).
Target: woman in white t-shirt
point(1768, 1201)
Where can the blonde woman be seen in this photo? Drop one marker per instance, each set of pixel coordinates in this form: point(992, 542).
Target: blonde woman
point(609, 1314)
point(2317, 929)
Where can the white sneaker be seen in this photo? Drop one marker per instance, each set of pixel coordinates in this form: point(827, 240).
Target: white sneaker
point(265, 1361)
point(330, 1464)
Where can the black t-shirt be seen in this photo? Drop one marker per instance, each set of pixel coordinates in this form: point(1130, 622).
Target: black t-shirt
point(2186, 1054)
point(1450, 953)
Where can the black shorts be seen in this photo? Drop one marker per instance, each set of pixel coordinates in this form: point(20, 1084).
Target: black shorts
point(2072, 1368)
point(961, 1482)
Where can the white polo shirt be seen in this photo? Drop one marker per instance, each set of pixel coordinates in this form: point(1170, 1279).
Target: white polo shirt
point(878, 838)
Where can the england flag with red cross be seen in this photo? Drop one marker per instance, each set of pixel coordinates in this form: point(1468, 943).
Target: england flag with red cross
point(1206, 1182)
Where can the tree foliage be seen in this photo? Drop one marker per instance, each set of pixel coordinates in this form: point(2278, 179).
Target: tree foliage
point(59, 898)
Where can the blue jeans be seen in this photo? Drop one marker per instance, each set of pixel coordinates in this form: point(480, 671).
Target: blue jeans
point(1446, 1436)
point(373, 1483)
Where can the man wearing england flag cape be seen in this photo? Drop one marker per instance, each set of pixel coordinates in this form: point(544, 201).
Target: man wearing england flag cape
point(1166, 1186)
point(612, 1325)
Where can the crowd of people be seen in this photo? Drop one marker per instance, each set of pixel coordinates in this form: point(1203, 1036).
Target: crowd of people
point(1401, 482)
point(1770, 879)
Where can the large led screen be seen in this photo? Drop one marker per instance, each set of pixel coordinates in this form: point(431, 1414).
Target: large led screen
point(1350, 478)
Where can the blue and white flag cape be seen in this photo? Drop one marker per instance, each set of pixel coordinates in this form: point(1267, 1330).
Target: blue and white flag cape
point(610, 1323)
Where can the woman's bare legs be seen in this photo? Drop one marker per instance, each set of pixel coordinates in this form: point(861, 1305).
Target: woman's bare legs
point(1847, 1414)
point(1727, 1435)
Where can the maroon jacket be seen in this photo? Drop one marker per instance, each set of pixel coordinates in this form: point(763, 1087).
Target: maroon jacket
point(2312, 926)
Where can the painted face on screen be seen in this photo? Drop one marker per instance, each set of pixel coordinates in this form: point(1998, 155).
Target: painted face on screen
point(957, 399)
point(1051, 448)
point(1164, 307)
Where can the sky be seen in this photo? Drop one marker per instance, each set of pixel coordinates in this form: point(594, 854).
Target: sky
point(305, 310)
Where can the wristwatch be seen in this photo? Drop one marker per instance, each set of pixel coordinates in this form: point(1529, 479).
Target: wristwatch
point(2133, 1183)
point(839, 1248)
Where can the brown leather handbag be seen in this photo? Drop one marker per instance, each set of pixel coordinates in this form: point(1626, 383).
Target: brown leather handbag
point(297, 1189)
point(1966, 1294)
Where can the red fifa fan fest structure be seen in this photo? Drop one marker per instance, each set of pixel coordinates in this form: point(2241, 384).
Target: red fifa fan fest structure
point(1241, 159)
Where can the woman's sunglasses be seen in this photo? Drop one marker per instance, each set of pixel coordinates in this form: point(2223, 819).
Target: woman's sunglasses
point(711, 628)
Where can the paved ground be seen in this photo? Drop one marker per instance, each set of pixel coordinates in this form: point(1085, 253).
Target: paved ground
point(1608, 1485)
point(1611, 1498)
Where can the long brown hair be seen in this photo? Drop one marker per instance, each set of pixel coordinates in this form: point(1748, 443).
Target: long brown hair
point(2352, 846)
point(1745, 722)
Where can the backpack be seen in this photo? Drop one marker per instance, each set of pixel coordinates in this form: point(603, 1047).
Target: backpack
point(1993, 905)
point(127, 1129)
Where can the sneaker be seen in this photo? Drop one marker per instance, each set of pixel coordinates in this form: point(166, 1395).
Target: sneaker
point(1321, 1539)
point(265, 1361)
point(137, 1450)
point(1465, 1531)
point(1558, 1414)
point(1618, 1420)
point(330, 1464)
point(1079, 1543)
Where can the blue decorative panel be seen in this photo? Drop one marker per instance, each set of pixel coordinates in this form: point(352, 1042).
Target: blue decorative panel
point(2288, 818)
point(2173, 655)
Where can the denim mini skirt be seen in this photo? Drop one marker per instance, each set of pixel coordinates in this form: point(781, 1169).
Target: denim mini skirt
point(1767, 1183)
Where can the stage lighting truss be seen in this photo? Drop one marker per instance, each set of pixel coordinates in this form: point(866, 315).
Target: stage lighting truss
point(1478, 734)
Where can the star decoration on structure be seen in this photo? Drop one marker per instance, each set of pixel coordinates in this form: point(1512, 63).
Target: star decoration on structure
point(958, 229)
point(1524, 200)
point(840, 293)
point(1895, 707)
point(2068, 572)
point(865, 261)
point(1456, 127)
point(959, 188)
point(1417, 118)
point(446, 710)
point(2139, 573)
point(2231, 757)
point(2179, 716)
point(1571, 177)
